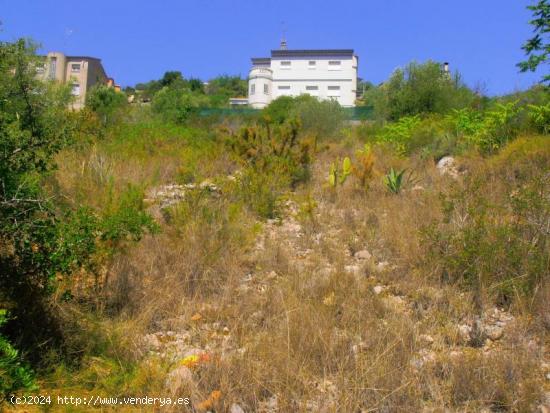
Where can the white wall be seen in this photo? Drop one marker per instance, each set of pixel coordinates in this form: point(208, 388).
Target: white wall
point(321, 79)
point(300, 74)
point(259, 79)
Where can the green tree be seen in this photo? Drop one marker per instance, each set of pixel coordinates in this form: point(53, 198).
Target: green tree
point(177, 104)
point(105, 101)
point(421, 88)
point(538, 47)
point(195, 85)
point(171, 78)
point(40, 239)
point(34, 126)
point(221, 88)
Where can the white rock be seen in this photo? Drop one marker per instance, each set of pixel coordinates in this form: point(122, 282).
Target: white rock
point(378, 289)
point(426, 339)
point(494, 333)
point(352, 269)
point(382, 265)
point(447, 165)
point(464, 331)
point(235, 408)
point(181, 378)
point(363, 255)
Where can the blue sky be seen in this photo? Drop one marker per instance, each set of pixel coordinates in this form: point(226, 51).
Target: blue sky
point(140, 40)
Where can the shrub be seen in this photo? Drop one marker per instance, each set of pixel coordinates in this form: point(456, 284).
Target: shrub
point(14, 374)
point(494, 239)
point(421, 88)
point(176, 104)
point(363, 168)
point(318, 118)
point(398, 134)
point(498, 127)
point(105, 101)
point(540, 116)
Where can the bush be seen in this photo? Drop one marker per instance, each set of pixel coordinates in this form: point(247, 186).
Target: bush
point(318, 118)
point(498, 127)
point(420, 88)
point(14, 374)
point(399, 134)
point(105, 101)
point(176, 104)
point(275, 157)
point(493, 237)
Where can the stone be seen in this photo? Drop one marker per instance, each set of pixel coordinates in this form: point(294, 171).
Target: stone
point(352, 269)
point(378, 289)
point(179, 379)
point(151, 342)
point(382, 265)
point(235, 408)
point(363, 255)
point(494, 332)
point(447, 166)
point(426, 339)
point(270, 405)
point(464, 332)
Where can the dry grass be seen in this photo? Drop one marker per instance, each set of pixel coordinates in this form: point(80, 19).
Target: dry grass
point(305, 329)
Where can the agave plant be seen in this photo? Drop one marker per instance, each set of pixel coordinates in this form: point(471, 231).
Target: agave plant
point(394, 180)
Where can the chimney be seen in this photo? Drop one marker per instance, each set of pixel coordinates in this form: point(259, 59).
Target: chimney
point(446, 68)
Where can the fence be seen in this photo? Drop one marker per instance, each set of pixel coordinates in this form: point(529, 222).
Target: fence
point(355, 113)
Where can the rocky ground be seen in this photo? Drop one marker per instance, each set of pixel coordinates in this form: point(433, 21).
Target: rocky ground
point(304, 245)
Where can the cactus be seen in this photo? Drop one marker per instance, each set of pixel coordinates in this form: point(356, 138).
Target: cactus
point(346, 169)
point(333, 175)
point(338, 176)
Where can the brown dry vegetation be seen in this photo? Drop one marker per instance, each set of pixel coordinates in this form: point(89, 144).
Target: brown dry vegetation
point(289, 316)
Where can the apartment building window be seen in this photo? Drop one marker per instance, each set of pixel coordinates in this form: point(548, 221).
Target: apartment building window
point(75, 67)
point(53, 67)
point(285, 64)
point(334, 88)
point(334, 65)
point(283, 87)
point(252, 89)
point(266, 89)
point(312, 64)
point(75, 89)
point(312, 87)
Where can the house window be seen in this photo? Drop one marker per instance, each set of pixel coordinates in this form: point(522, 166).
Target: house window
point(40, 69)
point(75, 67)
point(312, 87)
point(334, 88)
point(283, 87)
point(75, 89)
point(285, 64)
point(252, 89)
point(266, 89)
point(334, 65)
point(312, 64)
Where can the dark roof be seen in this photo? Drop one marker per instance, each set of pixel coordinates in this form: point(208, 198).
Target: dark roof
point(261, 60)
point(83, 58)
point(312, 52)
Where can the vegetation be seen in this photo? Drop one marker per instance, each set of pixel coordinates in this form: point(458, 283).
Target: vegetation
point(538, 47)
point(280, 259)
point(419, 88)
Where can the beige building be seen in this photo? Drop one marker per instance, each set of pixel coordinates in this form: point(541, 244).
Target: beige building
point(81, 72)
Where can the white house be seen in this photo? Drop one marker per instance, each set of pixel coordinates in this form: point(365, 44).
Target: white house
point(324, 73)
